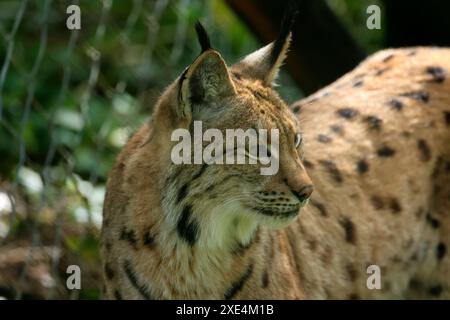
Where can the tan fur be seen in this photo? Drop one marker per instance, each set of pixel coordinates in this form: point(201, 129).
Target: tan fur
point(381, 192)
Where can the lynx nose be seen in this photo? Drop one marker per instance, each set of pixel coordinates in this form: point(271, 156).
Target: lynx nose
point(304, 193)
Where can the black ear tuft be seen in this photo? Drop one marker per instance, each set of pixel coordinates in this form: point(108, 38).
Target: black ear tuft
point(287, 23)
point(203, 37)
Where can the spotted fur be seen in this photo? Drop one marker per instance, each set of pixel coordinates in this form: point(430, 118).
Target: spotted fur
point(392, 208)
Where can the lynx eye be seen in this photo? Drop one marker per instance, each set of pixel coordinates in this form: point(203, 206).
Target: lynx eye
point(298, 139)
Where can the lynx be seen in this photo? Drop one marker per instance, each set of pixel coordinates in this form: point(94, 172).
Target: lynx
point(363, 179)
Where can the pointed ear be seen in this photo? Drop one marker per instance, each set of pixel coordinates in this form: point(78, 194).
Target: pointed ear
point(205, 80)
point(264, 64)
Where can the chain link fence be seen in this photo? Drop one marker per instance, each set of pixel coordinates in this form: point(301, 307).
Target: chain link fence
point(69, 100)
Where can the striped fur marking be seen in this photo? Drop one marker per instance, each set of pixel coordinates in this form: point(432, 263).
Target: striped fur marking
point(239, 284)
point(140, 287)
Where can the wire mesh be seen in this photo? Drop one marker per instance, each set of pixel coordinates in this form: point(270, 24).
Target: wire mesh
point(69, 100)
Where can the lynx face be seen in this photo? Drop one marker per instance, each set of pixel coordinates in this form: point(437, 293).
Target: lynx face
point(237, 98)
point(279, 196)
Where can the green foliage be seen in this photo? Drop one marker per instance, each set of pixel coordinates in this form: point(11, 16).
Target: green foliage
point(89, 294)
point(138, 56)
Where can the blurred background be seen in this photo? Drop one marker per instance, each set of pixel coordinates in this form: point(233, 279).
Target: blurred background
point(70, 99)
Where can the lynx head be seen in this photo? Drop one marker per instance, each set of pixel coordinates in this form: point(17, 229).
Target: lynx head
point(208, 201)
